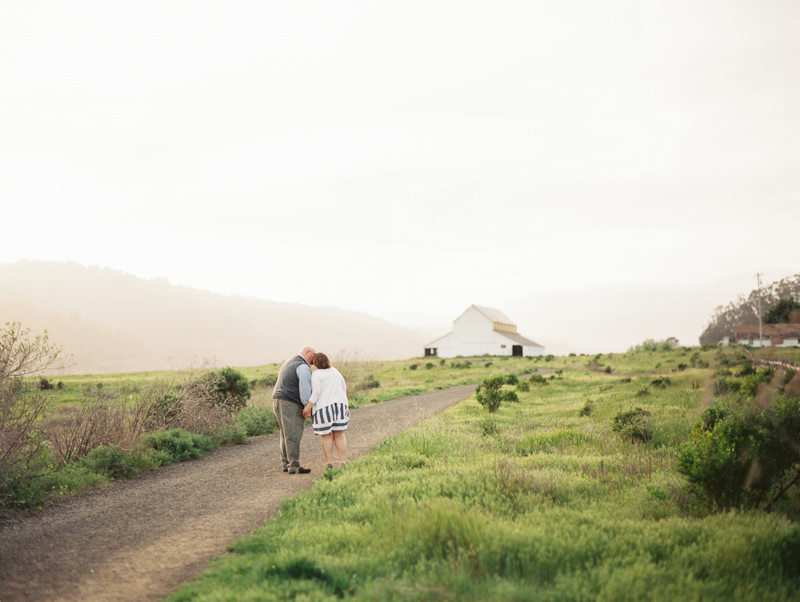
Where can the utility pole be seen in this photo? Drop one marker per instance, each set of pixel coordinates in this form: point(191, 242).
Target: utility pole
point(760, 328)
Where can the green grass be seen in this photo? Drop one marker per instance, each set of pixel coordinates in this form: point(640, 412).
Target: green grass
point(532, 502)
point(791, 354)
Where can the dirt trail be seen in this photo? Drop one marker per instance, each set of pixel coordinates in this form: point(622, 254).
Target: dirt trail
point(138, 540)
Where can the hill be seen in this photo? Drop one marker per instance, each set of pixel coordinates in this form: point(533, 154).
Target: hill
point(115, 322)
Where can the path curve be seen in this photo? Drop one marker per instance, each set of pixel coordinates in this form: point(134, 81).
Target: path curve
point(138, 540)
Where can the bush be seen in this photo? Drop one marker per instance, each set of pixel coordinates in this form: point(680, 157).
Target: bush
point(634, 424)
point(661, 383)
point(490, 393)
point(231, 433)
point(745, 458)
point(538, 379)
point(587, 408)
point(113, 462)
point(179, 445)
point(257, 421)
point(231, 389)
point(523, 386)
point(413, 367)
point(370, 383)
point(21, 447)
point(511, 379)
point(488, 427)
point(429, 365)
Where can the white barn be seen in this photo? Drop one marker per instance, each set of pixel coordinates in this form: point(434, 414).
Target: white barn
point(483, 331)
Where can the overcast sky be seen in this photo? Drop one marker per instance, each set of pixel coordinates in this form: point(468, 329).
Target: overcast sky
point(602, 172)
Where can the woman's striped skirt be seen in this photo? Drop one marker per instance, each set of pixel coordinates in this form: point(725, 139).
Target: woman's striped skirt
point(331, 418)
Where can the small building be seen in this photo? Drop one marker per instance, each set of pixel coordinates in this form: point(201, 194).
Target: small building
point(772, 335)
point(483, 331)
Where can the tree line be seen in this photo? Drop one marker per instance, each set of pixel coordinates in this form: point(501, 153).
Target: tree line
point(778, 305)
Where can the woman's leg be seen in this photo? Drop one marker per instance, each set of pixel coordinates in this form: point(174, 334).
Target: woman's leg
point(341, 445)
point(327, 447)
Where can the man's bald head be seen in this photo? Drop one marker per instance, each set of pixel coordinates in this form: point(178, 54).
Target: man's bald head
point(308, 353)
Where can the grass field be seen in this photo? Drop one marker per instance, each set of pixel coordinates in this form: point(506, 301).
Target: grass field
point(540, 500)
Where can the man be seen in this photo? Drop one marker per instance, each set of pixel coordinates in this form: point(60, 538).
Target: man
point(289, 397)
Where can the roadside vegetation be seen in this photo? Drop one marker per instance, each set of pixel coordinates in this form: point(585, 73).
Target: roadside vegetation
point(666, 469)
point(63, 433)
point(584, 488)
point(63, 436)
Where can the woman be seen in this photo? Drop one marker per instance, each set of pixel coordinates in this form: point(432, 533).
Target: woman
point(328, 404)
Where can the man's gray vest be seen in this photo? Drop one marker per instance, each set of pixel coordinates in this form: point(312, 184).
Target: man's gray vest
point(288, 385)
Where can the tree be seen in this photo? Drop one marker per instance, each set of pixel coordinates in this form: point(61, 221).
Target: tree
point(20, 356)
point(782, 312)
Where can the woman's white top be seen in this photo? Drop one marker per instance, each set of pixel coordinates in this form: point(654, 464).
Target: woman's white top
point(327, 387)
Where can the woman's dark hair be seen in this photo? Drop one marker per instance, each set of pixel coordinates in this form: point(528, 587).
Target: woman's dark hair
point(321, 361)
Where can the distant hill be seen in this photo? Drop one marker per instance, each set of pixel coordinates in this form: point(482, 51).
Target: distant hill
point(111, 321)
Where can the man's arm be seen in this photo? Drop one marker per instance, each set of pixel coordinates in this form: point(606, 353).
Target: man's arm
point(304, 376)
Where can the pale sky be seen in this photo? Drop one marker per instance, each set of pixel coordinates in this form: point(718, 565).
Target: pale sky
point(602, 172)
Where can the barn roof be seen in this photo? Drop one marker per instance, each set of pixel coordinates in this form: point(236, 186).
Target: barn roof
point(520, 340)
point(495, 315)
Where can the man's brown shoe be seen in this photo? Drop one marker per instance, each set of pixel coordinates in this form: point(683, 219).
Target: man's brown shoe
point(299, 470)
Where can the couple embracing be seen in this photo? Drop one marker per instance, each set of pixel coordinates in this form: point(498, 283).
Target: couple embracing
point(299, 394)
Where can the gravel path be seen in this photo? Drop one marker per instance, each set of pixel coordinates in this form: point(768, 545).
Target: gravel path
point(140, 539)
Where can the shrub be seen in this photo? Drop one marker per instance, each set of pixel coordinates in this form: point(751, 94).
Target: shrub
point(746, 458)
point(488, 426)
point(634, 424)
point(21, 447)
point(511, 379)
point(257, 421)
point(269, 380)
point(179, 445)
point(115, 463)
point(413, 367)
point(231, 433)
point(370, 383)
point(490, 393)
point(661, 383)
point(714, 414)
point(44, 384)
point(429, 365)
point(523, 386)
point(538, 379)
point(231, 389)
point(587, 408)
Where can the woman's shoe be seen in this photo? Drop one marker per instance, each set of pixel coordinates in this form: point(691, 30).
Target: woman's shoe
point(330, 465)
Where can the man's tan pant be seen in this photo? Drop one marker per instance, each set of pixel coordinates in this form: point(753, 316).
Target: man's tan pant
point(289, 415)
